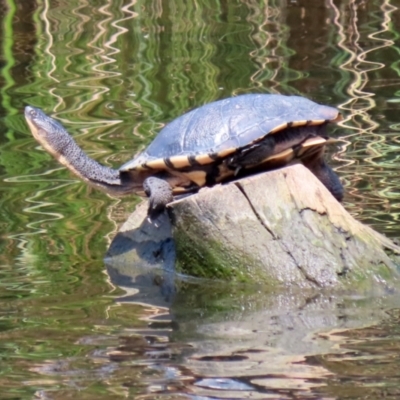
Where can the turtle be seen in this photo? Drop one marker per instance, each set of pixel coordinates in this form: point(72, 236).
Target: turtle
point(215, 143)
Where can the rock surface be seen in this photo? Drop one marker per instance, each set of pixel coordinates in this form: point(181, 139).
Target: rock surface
point(141, 258)
point(279, 228)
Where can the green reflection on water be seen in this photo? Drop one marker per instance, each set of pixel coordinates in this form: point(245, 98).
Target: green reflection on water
point(8, 43)
point(114, 73)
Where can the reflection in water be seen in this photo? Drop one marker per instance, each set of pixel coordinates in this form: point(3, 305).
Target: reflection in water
point(266, 342)
point(366, 142)
point(116, 73)
point(215, 341)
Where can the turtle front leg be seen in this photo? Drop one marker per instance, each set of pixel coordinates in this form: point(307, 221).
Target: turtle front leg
point(159, 192)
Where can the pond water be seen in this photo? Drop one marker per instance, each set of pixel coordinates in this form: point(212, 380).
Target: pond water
point(114, 72)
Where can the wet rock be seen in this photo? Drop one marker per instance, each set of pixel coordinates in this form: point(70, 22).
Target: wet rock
point(141, 258)
point(278, 228)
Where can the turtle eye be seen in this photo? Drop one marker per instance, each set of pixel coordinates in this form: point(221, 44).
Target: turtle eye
point(33, 113)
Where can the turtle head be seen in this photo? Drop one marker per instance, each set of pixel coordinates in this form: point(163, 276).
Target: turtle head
point(58, 142)
point(47, 131)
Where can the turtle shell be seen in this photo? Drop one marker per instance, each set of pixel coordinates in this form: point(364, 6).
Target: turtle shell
point(217, 130)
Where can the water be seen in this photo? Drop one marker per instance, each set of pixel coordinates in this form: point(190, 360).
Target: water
point(114, 73)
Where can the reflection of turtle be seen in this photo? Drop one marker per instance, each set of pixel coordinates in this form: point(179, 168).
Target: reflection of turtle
point(211, 144)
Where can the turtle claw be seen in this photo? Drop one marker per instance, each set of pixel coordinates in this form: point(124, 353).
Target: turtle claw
point(237, 170)
point(152, 221)
point(153, 212)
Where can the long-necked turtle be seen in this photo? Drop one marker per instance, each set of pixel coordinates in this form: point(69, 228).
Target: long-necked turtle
point(208, 145)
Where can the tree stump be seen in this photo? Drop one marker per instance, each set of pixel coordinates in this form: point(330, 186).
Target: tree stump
point(281, 227)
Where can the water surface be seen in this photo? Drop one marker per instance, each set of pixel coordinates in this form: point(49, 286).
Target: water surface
point(114, 73)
